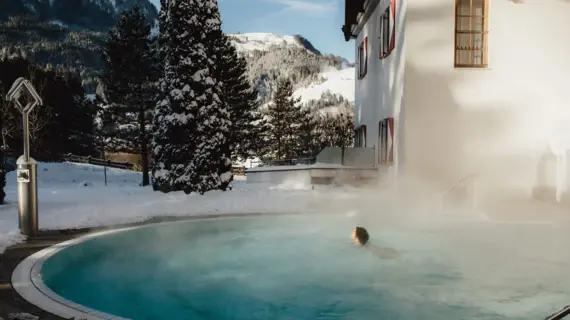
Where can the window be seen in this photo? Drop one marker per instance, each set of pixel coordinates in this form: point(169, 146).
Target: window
point(471, 21)
point(360, 138)
point(363, 58)
point(386, 143)
point(388, 30)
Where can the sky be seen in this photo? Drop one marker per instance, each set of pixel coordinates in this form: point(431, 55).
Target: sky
point(319, 21)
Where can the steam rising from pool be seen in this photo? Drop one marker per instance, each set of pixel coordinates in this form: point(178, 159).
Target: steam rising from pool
point(304, 267)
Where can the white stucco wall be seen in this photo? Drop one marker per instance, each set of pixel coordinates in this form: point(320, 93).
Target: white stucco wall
point(379, 94)
point(495, 122)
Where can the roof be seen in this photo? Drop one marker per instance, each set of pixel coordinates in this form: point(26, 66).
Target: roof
point(351, 9)
point(356, 13)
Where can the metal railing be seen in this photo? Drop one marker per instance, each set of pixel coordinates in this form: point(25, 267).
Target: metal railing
point(292, 162)
point(453, 187)
point(282, 162)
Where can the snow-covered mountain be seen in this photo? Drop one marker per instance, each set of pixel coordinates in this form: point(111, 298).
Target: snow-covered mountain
point(271, 56)
point(248, 42)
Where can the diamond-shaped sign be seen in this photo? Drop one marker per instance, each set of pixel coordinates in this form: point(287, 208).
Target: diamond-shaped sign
point(16, 92)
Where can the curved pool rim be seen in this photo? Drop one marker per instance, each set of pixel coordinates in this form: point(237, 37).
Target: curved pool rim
point(27, 282)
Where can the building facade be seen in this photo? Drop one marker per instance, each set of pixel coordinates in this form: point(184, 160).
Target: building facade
point(450, 88)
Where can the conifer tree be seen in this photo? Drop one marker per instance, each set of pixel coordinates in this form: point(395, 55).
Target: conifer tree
point(129, 83)
point(287, 121)
point(307, 143)
point(248, 125)
point(191, 123)
point(218, 115)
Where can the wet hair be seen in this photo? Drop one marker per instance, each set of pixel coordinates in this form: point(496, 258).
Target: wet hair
point(362, 235)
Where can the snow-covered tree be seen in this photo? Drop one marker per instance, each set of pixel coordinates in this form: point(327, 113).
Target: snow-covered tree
point(248, 125)
point(191, 122)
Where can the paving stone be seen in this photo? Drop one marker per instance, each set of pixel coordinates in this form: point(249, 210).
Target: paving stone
point(22, 316)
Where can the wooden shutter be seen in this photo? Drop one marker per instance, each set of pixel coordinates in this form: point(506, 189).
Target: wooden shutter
point(392, 25)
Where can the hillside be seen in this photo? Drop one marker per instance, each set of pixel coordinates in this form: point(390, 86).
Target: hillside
point(272, 56)
point(66, 33)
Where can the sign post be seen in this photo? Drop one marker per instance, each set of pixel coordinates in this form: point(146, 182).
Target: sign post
point(26, 167)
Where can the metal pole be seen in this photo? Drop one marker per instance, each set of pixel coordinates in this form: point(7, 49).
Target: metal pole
point(26, 134)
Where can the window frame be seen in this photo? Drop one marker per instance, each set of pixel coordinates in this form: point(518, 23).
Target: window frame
point(360, 139)
point(362, 52)
point(387, 37)
point(484, 34)
point(386, 141)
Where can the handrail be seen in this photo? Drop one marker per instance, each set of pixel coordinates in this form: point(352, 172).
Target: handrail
point(456, 184)
point(451, 188)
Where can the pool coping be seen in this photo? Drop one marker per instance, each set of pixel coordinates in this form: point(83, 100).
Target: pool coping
point(27, 282)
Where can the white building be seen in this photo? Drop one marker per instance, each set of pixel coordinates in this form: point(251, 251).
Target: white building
point(448, 88)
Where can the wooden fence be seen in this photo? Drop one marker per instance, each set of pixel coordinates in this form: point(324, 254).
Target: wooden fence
point(98, 162)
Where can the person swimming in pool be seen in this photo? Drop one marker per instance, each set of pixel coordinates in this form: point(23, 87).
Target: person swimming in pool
point(361, 238)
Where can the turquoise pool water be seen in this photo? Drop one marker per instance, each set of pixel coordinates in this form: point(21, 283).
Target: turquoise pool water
point(305, 268)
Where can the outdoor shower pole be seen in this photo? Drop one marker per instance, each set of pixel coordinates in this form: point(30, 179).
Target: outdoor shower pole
point(26, 134)
point(26, 167)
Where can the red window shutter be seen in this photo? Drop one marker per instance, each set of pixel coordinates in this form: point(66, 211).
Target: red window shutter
point(393, 25)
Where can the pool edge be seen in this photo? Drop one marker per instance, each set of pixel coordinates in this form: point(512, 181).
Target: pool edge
point(26, 279)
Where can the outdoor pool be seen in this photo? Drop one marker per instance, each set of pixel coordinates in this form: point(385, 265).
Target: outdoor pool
point(305, 267)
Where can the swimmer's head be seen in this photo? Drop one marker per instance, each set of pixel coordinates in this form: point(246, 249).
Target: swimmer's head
point(360, 236)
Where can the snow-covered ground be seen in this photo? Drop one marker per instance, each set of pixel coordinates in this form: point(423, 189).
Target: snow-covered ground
point(339, 82)
point(74, 195)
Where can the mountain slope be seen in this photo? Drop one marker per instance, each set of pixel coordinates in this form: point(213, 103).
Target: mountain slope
point(95, 15)
point(340, 82)
point(272, 56)
point(67, 33)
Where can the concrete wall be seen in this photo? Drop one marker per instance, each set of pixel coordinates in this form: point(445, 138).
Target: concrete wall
point(379, 94)
point(495, 122)
point(274, 175)
point(355, 157)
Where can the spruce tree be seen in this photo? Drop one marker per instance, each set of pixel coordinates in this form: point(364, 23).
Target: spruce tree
point(191, 122)
point(307, 143)
point(248, 125)
point(129, 83)
point(286, 121)
point(334, 130)
point(220, 153)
